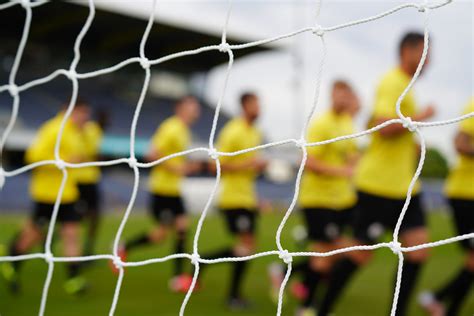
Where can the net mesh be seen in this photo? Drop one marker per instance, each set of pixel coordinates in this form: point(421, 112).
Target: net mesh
point(301, 144)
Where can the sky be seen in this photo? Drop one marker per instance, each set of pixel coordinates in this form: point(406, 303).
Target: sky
point(359, 54)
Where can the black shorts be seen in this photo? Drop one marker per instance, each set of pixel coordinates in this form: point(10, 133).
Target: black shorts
point(463, 213)
point(374, 214)
point(88, 203)
point(67, 213)
point(326, 225)
point(165, 209)
point(240, 220)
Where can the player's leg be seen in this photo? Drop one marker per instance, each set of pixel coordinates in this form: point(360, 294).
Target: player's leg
point(230, 216)
point(277, 271)
point(241, 224)
point(245, 246)
point(367, 227)
point(180, 246)
point(461, 284)
point(70, 233)
point(70, 219)
point(30, 235)
point(412, 232)
point(341, 274)
point(244, 227)
point(299, 288)
point(317, 269)
point(161, 210)
point(181, 224)
point(458, 287)
point(90, 199)
point(181, 280)
point(323, 229)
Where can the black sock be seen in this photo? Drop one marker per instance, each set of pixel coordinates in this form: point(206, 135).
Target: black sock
point(73, 269)
point(179, 248)
point(449, 289)
point(237, 278)
point(223, 253)
point(409, 276)
point(340, 275)
point(91, 234)
point(300, 267)
point(14, 252)
point(456, 290)
point(138, 241)
point(311, 280)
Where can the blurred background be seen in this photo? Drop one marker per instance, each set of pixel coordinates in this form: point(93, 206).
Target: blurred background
point(282, 73)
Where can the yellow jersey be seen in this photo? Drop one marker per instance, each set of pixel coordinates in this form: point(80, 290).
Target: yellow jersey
point(460, 182)
point(389, 163)
point(325, 191)
point(171, 137)
point(238, 187)
point(92, 138)
point(46, 180)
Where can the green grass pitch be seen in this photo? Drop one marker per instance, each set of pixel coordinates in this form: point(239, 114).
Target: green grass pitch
point(145, 289)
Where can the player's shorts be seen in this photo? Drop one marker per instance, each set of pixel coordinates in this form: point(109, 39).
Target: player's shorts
point(89, 198)
point(374, 214)
point(463, 213)
point(165, 209)
point(67, 213)
point(240, 220)
point(326, 225)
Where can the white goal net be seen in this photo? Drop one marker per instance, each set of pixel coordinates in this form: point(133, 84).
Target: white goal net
point(320, 32)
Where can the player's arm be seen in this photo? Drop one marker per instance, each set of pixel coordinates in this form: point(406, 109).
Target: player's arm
point(162, 139)
point(94, 140)
point(226, 143)
point(384, 109)
point(398, 129)
point(42, 147)
point(316, 165)
point(255, 164)
point(314, 162)
point(189, 167)
point(227, 165)
point(353, 159)
point(464, 144)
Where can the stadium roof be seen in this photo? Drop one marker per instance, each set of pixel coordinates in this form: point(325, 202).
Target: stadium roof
point(116, 32)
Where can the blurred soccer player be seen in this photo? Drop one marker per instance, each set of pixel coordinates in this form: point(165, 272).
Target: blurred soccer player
point(327, 196)
point(238, 201)
point(382, 179)
point(88, 179)
point(166, 204)
point(44, 186)
point(460, 191)
point(345, 106)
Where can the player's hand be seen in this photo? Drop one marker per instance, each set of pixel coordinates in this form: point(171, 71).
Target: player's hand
point(152, 155)
point(347, 172)
point(428, 112)
point(354, 104)
point(265, 206)
point(193, 167)
point(76, 159)
point(259, 164)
